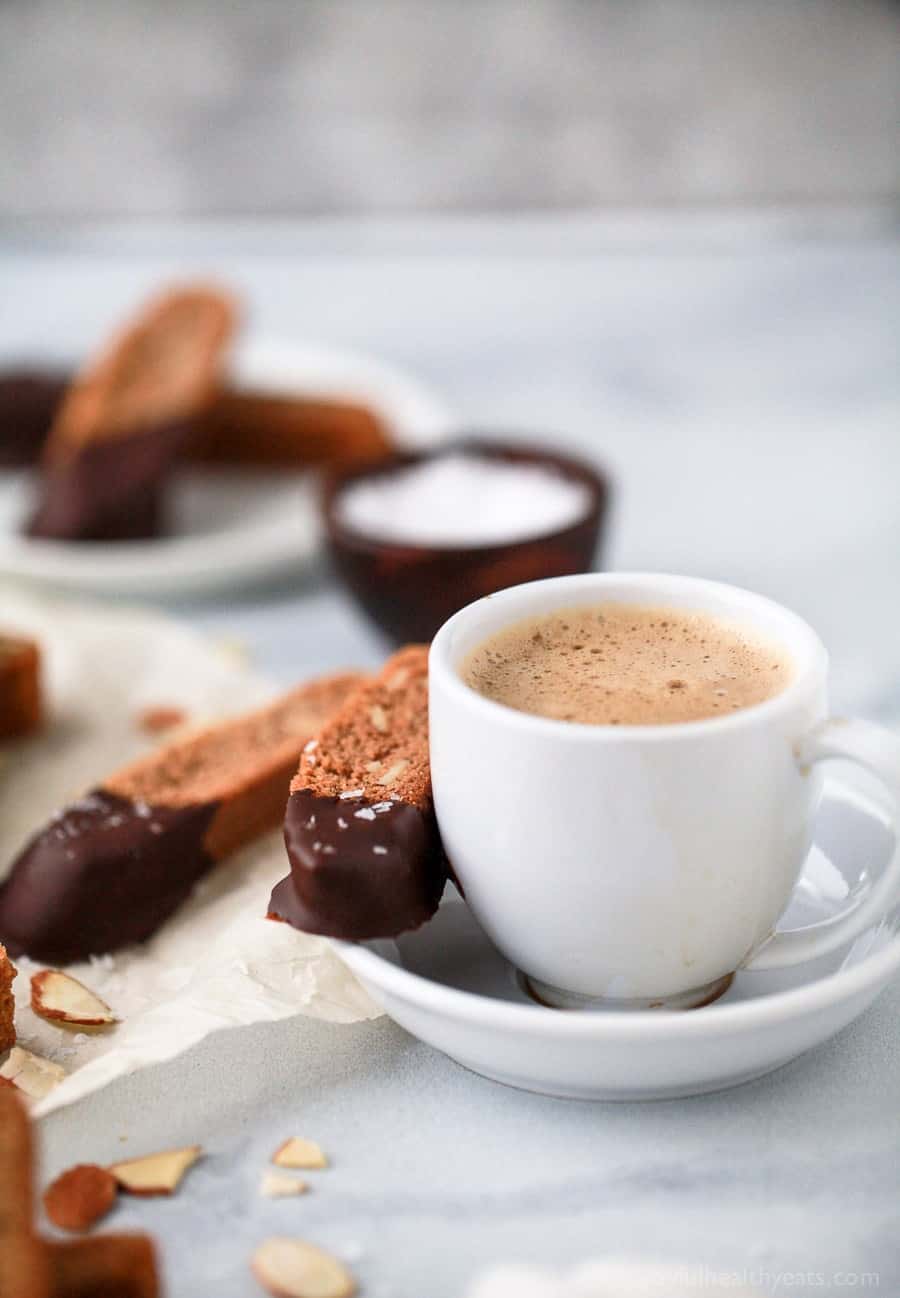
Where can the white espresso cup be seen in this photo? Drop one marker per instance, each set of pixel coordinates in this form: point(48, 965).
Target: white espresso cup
point(643, 865)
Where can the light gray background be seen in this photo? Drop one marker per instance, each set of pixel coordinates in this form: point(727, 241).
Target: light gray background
point(187, 107)
point(739, 378)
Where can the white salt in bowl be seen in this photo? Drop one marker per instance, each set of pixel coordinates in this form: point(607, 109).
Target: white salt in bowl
point(418, 536)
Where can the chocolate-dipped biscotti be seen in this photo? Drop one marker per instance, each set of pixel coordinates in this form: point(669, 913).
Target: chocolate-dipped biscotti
point(111, 868)
point(7, 1001)
point(128, 416)
point(20, 687)
point(360, 832)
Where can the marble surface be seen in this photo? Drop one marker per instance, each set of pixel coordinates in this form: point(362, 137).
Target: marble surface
point(740, 381)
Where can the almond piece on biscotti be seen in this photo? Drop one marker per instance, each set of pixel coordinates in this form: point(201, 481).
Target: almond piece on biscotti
point(80, 1196)
point(63, 999)
point(299, 1153)
point(291, 1268)
point(155, 1174)
point(31, 1074)
point(155, 721)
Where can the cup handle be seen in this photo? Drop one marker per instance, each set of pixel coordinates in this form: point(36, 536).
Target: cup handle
point(878, 751)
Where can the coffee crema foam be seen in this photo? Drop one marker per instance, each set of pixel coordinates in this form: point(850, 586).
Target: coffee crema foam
point(626, 664)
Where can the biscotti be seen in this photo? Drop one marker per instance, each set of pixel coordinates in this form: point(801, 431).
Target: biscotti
point(109, 869)
point(7, 1002)
point(24, 1267)
point(128, 416)
point(360, 832)
point(20, 687)
point(262, 430)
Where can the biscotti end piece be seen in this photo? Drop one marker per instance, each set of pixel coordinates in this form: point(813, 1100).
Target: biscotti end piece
point(109, 869)
point(7, 1002)
point(376, 746)
point(360, 831)
point(20, 687)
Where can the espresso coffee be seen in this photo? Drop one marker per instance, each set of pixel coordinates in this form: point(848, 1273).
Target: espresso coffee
point(627, 664)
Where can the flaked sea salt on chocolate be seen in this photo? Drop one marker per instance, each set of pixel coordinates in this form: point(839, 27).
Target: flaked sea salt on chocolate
point(463, 499)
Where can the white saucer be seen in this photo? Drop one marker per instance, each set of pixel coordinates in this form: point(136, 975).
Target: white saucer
point(228, 527)
point(449, 986)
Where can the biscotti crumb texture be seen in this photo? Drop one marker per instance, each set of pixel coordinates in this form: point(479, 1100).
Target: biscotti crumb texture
point(7, 1002)
point(376, 745)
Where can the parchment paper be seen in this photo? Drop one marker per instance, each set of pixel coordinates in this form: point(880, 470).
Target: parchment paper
point(217, 963)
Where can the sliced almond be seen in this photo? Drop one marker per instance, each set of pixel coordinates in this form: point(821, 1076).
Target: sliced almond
point(156, 720)
point(63, 999)
point(291, 1268)
point(373, 765)
point(32, 1074)
point(81, 1196)
point(297, 1152)
point(393, 772)
point(156, 1173)
point(397, 680)
point(378, 717)
point(276, 1186)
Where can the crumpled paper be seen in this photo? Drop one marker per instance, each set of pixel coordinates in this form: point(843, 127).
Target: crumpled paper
point(217, 963)
point(612, 1278)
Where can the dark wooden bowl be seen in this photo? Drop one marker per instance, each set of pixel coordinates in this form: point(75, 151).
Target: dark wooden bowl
point(409, 591)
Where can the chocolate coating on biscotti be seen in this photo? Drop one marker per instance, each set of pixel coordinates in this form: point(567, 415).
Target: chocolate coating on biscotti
point(105, 872)
point(112, 490)
point(29, 400)
point(358, 870)
point(110, 869)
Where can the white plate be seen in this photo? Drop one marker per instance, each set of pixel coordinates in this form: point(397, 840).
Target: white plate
point(449, 986)
point(229, 527)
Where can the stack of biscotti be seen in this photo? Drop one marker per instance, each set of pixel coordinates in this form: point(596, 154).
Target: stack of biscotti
point(20, 687)
point(361, 836)
point(110, 868)
point(128, 416)
point(7, 1002)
